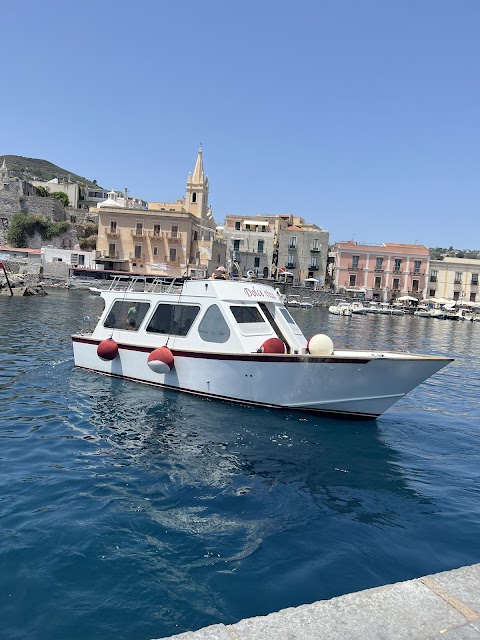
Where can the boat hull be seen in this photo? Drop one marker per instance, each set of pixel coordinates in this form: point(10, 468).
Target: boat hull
point(360, 386)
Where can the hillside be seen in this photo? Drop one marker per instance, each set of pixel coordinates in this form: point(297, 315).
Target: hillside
point(37, 169)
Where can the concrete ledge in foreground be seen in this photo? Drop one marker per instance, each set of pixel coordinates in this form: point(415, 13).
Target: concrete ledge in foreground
point(445, 605)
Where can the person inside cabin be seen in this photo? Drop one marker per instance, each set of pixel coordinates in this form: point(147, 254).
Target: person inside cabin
point(219, 274)
point(132, 315)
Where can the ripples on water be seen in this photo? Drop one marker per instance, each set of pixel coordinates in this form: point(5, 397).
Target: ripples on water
point(130, 513)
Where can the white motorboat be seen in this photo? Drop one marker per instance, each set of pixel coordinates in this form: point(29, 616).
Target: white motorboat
point(306, 303)
point(437, 312)
point(357, 307)
point(236, 341)
point(422, 311)
point(340, 308)
point(293, 301)
point(373, 307)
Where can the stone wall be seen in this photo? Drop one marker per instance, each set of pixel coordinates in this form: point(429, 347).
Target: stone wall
point(12, 203)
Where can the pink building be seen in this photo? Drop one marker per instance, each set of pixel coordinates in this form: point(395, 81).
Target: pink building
point(383, 272)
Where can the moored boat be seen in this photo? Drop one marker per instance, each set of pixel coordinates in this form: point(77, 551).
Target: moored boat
point(236, 341)
point(340, 308)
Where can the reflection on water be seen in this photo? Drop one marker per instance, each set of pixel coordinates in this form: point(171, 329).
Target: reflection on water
point(136, 513)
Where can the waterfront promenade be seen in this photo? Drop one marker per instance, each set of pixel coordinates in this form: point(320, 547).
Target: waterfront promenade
point(444, 605)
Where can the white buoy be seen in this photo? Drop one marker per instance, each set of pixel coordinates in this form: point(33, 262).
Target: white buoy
point(320, 345)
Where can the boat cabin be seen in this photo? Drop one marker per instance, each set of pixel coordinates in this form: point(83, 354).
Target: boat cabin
point(199, 315)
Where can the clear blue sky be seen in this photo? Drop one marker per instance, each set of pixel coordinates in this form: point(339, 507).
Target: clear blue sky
point(359, 115)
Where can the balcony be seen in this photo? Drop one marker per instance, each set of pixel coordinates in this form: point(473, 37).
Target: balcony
point(397, 270)
point(354, 267)
point(417, 273)
point(113, 233)
point(290, 265)
point(315, 249)
point(378, 270)
point(138, 233)
point(433, 278)
point(154, 234)
point(107, 255)
point(457, 281)
point(173, 236)
point(135, 258)
point(313, 267)
point(414, 292)
point(474, 283)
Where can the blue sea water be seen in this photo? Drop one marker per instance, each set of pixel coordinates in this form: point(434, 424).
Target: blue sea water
point(129, 513)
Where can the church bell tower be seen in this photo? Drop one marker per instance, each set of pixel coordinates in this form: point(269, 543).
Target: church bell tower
point(196, 197)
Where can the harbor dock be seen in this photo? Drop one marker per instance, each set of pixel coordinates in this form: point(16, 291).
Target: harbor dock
point(444, 605)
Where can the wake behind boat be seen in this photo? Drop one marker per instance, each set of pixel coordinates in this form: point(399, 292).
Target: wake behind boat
point(236, 341)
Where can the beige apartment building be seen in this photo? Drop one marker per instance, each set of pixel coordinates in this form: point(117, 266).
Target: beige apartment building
point(301, 248)
point(168, 239)
point(250, 242)
point(454, 279)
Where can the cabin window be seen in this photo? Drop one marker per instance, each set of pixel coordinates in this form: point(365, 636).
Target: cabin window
point(250, 320)
point(294, 327)
point(173, 319)
point(213, 326)
point(126, 314)
point(246, 314)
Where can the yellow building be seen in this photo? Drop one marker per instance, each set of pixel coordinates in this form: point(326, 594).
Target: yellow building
point(168, 239)
point(454, 279)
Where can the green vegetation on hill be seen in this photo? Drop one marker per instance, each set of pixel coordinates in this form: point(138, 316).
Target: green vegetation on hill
point(439, 253)
point(37, 169)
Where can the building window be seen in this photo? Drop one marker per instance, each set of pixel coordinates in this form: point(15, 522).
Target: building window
point(291, 261)
point(138, 251)
point(398, 265)
point(260, 246)
point(81, 260)
point(474, 278)
point(433, 275)
point(236, 245)
point(173, 254)
point(113, 226)
point(396, 284)
point(417, 265)
point(194, 197)
point(156, 229)
point(473, 297)
point(456, 295)
point(315, 244)
point(379, 264)
point(237, 225)
point(431, 293)
point(155, 251)
point(174, 230)
point(256, 262)
point(313, 261)
point(415, 284)
point(458, 278)
point(112, 249)
point(139, 229)
point(355, 260)
point(353, 280)
point(292, 242)
point(378, 282)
